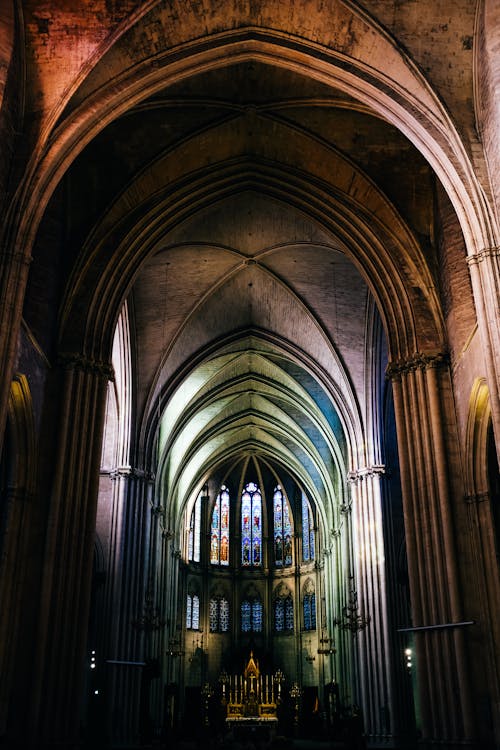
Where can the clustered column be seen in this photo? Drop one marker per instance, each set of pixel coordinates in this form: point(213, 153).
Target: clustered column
point(422, 401)
point(69, 546)
point(128, 599)
point(372, 636)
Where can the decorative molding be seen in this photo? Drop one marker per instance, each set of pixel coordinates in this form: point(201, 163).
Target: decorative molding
point(345, 508)
point(418, 361)
point(367, 471)
point(72, 361)
point(128, 472)
point(487, 252)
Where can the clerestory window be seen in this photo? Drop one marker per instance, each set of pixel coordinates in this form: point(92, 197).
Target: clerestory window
point(282, 529)
point(219, 529)
point(251, 526)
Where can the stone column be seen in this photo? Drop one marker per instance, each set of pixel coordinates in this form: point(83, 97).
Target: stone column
point(487, 587)
point(485, 277)
point(54, 713)
point(423, 410)
point(128, 599)
point(372, 637)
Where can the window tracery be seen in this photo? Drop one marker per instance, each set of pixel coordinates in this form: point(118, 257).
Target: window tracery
point(194, 532)
point(193, 612)
point(309, 606)
point(219, 529)
point(308, 541)
point(251, 526)
point(251, 615)
point(283, 613)
point(282, 529)
point(219, 615)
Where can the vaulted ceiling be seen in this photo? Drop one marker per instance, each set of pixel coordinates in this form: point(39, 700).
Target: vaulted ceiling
point(271, 229)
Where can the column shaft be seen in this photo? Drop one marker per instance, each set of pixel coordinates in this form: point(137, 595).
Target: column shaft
point(420, 395)
point(68, 556)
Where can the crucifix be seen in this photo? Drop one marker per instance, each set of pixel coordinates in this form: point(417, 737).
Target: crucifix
point(251, 677)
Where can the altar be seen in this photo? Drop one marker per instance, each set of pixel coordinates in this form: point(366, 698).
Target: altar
point(252, 701)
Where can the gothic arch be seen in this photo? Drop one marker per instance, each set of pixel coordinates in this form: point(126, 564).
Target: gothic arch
point(407, 305)
point(414, 109)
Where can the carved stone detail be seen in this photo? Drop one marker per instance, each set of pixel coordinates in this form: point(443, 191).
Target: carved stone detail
point(75, 361)
point(487, 252)
point(419, 361)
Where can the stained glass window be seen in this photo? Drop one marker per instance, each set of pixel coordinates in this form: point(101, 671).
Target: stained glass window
point(282, 529)
point(214, 615)
point(251, 525)
point(196, 613)
point(219, 615)
point(283, 614)
point(194, 532)
point(219, 529)
point(307, 531)
point(289, 613)
point(310, 611)
point(193, 612)
point(223, 615)
point(246, 614)
point(251, 616)
point(257, 617)
point(279, 615)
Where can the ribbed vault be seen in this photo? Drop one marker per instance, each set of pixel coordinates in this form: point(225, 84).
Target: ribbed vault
point(244, 402)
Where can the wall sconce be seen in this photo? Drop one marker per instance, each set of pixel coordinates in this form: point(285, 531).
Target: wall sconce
point(150, 620)
point(351, 619)
point(327, 647)
point(173, 648)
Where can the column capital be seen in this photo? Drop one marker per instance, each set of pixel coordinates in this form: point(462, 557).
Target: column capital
point(82, 363)
point(418, 361)
point(484, 254)
point(126, 472)
point(368, 471)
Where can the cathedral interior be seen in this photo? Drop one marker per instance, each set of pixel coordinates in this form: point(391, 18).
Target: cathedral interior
point(250, 373)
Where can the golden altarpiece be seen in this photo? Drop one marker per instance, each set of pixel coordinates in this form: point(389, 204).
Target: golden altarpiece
point(252, 695)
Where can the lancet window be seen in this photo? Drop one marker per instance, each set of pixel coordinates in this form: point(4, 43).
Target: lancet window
point(282, 529)
point(251, 526)
point(283, 614)
point(193, 612)
point(251, 616)
point(309, 607)
point(219, 615)
point(219, 529)
point(307, 531)
point(194, 532)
